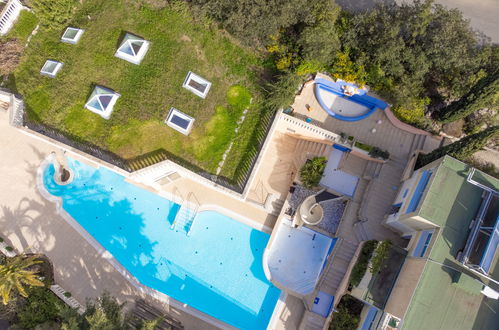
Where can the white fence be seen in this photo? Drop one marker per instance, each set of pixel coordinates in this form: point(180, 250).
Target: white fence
point(9, 15)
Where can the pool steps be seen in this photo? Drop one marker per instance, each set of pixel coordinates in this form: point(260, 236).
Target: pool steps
point(185, 216)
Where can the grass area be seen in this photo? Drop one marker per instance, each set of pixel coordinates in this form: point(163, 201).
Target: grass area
point(25, 24)
point(178, 44)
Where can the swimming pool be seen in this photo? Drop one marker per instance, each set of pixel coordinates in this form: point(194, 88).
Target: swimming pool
point(217, 269)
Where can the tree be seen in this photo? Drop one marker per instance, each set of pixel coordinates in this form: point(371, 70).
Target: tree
point(254, 21)
point(10, 53)
point(462, 149)
point(320, 42)
point(414, 50)
point(15, 274)
point(282, 93)
point(53, 14)
point(484, 94)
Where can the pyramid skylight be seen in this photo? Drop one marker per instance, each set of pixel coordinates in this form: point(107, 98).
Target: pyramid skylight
point(132, 49)
point(102, 101)
point(197, 84)
point(50, 68)
point(72, 35)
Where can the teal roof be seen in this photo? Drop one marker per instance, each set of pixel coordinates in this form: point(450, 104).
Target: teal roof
point(448, 296)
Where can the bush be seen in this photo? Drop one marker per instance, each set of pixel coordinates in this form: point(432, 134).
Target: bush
point(380, 254)
point(347, 316)
point(311, 172)
point(42, 306)
point(378, 153)
point(362, 263)
point(412, 111)
point(1, 240)
point(67, 294)
point(308, 67)
point(53, 14)
point(9, 248)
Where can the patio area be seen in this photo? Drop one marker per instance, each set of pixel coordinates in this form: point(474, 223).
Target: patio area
point(30, 223)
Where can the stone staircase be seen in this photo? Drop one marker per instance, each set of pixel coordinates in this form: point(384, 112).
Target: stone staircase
point(337, 268)
point(308, 149)
point(372, 170)
point(417, 143)
point(360, 231)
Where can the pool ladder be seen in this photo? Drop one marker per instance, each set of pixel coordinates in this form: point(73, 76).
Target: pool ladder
point(186, 214)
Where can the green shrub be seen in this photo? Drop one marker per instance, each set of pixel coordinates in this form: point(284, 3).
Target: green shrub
point(9, 248)
point(380, 254)
point(67, 294)
point(362, 263)
point(412, 111)
point(311, 172)
point(376, 152)
point(54, 14)
point(308, 67)
point(348, 313)
point(1, 240)
point(363, 146)
point(42, 306)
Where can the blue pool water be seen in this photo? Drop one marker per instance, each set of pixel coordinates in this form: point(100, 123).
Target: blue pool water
point(217, 269)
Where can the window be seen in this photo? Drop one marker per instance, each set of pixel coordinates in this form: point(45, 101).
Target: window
point(423, 243)
point(394, 209)
point(50, 68)
point(197, 84)
point(179, 121)
point(71, 35)
point(419, 191)
point(405, 193)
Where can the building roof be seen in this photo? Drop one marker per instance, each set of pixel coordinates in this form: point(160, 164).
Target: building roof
point(448, 295)
point(296, 258)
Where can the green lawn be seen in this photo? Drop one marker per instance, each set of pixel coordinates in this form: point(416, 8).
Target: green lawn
point(178, 45)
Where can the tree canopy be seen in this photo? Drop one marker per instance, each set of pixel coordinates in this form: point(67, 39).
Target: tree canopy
point(462, 149)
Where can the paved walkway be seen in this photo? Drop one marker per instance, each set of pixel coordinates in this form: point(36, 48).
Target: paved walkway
point(31, 223)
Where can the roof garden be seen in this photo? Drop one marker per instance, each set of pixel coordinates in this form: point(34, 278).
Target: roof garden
point(178, 44)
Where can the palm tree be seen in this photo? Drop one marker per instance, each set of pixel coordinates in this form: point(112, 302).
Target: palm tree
point(14, 274)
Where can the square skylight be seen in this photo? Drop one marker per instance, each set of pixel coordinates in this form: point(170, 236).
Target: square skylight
point(179, 121)
point(197, 84)
point(72, 35)
point(50, 68)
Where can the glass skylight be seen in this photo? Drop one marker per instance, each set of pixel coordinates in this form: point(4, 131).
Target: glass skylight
point(179, 121)
point(72, 35)
point(102, 101)
point(197, 84)
point(132, 49)
point(50, 68)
